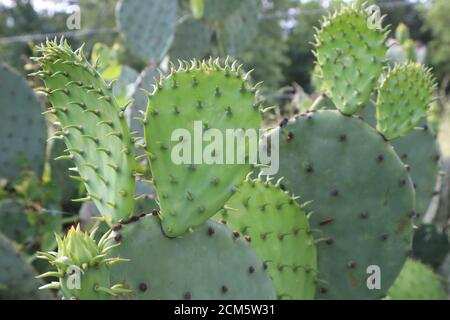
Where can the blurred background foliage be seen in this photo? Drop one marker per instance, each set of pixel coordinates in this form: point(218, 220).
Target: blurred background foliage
point(280, 55)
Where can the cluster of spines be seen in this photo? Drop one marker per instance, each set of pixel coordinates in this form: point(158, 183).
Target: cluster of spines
point(62, 263)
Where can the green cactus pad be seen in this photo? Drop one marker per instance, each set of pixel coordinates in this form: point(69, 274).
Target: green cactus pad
point(202, 94)
point(403, 99)
point(239, 30)
point(350, 53)
point(420, 151)
point(430, 245)
point(361, 196)
point(278, 230)
point(209, 263)
point(82, 266)
point(192, 40)
point(67, 188)
point(148, 26)
point(14, 221)
point(22, 127)
point(17, 277)
point(93, 127)
point(417, 282)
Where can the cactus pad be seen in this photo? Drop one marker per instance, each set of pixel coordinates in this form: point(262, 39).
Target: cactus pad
point(17, 277)
point(278, 230)
point(218, 9)
point(93, 127)
point(403, 99)
point(22, 127)
point(350, 54)
point(240, 29)
point(420, 151)
point(209, 263)
point(362, 200)
point(14, 221)
point(211, 96)
point(417, 282)
point(148, 26)
point(192, 40)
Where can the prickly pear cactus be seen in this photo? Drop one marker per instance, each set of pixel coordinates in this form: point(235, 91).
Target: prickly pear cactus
point(93, 128)
point(148, 26)
point(350, 53)
point(14, 221)
point(17, 277)
point(184, 106)
point(417, 282)
point(209, 263)
point(420, 151)
point(22, 127)
point(192, 40)
point(82, 266)
point(123, 89)
point(403, 99)
point(278, 230)
point(239, 30)
point(361, 196)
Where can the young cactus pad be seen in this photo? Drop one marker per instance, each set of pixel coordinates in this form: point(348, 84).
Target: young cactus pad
point(209, 263)
point(417, 282)
point(82, 266)
point(93, 127)
point(17, 277)
point(361, 196)
point(194, 183)
point(403, 99)
point(148, 26)
point(22, 127)
point(278, 230)
point(350, 53)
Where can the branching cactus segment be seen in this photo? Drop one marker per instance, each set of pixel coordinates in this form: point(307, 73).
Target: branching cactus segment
point(350, 52)
point(93, 127)
point(403, 99)
point(82, 266)
point(278, 230)
point(197, 97)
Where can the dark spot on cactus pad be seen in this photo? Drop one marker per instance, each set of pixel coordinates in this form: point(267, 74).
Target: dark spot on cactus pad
point(309, 168)
point(290, 136)
point(327, 220)
point(329, 241)
point(284, 122)
point(118, 237)
point(343, 137)
point(384, 237)
point(187, 296)
point(236, 234)
point(402, 183)
point(251, 269)
point(351, 264)
point(334, 192)
point(265, 266)
point(380, 158)
point(211, 231)
point(323, 290)
point(155, 212)
point(142, 287)
point(224, 289)
point(437, 157)
point(364, 215)
point(248, 238)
